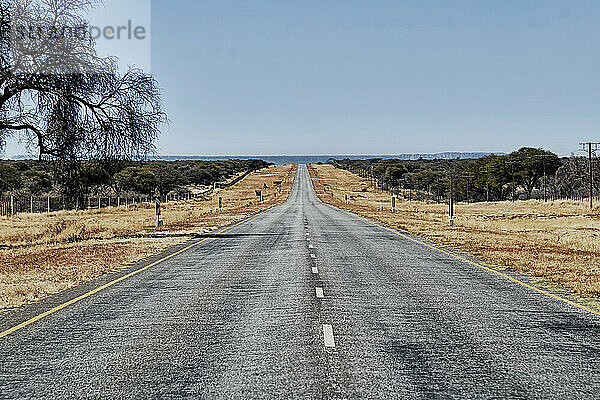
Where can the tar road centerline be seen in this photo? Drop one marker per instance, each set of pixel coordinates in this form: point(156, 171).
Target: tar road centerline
point(328, 335)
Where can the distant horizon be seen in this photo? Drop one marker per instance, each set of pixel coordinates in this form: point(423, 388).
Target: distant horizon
point(23, 156)
point(386, 155)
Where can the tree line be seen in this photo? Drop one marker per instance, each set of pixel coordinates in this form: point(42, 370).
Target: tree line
point(118, 178)
point(528, 173)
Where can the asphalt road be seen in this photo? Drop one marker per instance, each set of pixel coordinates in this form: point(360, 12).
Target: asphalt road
point(307, 301)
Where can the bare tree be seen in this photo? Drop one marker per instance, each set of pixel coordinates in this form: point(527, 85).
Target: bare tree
point(63, 100)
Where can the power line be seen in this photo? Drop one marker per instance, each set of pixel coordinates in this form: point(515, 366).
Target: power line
point(591, 148)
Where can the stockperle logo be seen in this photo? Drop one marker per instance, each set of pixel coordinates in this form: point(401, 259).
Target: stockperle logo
point(57, 39)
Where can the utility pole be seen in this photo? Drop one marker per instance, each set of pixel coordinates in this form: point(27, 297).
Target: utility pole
point(487, 182)
point(469, 176)
point(512, 172)
point(591, 148)
point(544, 157)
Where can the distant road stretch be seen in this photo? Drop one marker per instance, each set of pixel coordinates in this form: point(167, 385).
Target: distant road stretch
point(307, 301)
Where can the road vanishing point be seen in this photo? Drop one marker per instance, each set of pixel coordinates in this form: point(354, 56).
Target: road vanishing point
point(302, 301)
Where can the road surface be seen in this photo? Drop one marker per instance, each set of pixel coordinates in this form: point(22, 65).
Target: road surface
point(306, 301)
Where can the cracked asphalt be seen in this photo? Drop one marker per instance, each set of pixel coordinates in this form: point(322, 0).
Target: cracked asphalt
point(305, 301)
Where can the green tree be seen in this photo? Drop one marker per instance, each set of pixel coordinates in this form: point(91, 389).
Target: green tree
point(530, 165)
point(36, 182)
point(137, 179)
point(10, 178)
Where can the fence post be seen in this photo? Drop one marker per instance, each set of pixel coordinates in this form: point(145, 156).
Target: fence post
point(48, 204)
point(31, 204)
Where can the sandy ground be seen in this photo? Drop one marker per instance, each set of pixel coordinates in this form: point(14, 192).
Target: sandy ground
point(556, 242)
point(42, 254)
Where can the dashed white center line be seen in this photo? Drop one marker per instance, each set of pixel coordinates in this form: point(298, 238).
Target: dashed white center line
point(310, 246)
point(319, 292)
point(328, 335)
point(312, 256)
point(315, 270)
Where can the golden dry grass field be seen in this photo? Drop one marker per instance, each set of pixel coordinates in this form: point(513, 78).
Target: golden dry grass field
point(42, 254)
point(556, 243)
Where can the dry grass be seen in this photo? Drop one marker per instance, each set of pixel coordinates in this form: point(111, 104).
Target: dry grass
point(556, 243)
point(42, 254)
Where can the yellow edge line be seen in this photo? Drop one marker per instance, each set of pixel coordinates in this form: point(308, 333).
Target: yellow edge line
point(129, 275)
point(542, 291)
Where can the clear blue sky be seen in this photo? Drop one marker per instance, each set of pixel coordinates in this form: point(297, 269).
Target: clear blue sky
point(377, 77)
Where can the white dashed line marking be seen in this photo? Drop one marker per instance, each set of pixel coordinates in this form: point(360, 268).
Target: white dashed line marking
point(319, 292)
point(310, 246)
point(313, 256)
point(328, 335)
point(315, 270)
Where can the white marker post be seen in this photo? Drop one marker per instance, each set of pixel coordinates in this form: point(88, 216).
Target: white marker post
point(159, 222)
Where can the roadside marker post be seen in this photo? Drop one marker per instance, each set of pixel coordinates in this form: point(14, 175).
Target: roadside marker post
point(393, 204)
point(159, 222)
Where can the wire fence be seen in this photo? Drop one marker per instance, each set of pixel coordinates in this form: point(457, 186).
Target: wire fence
point(12, 205)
